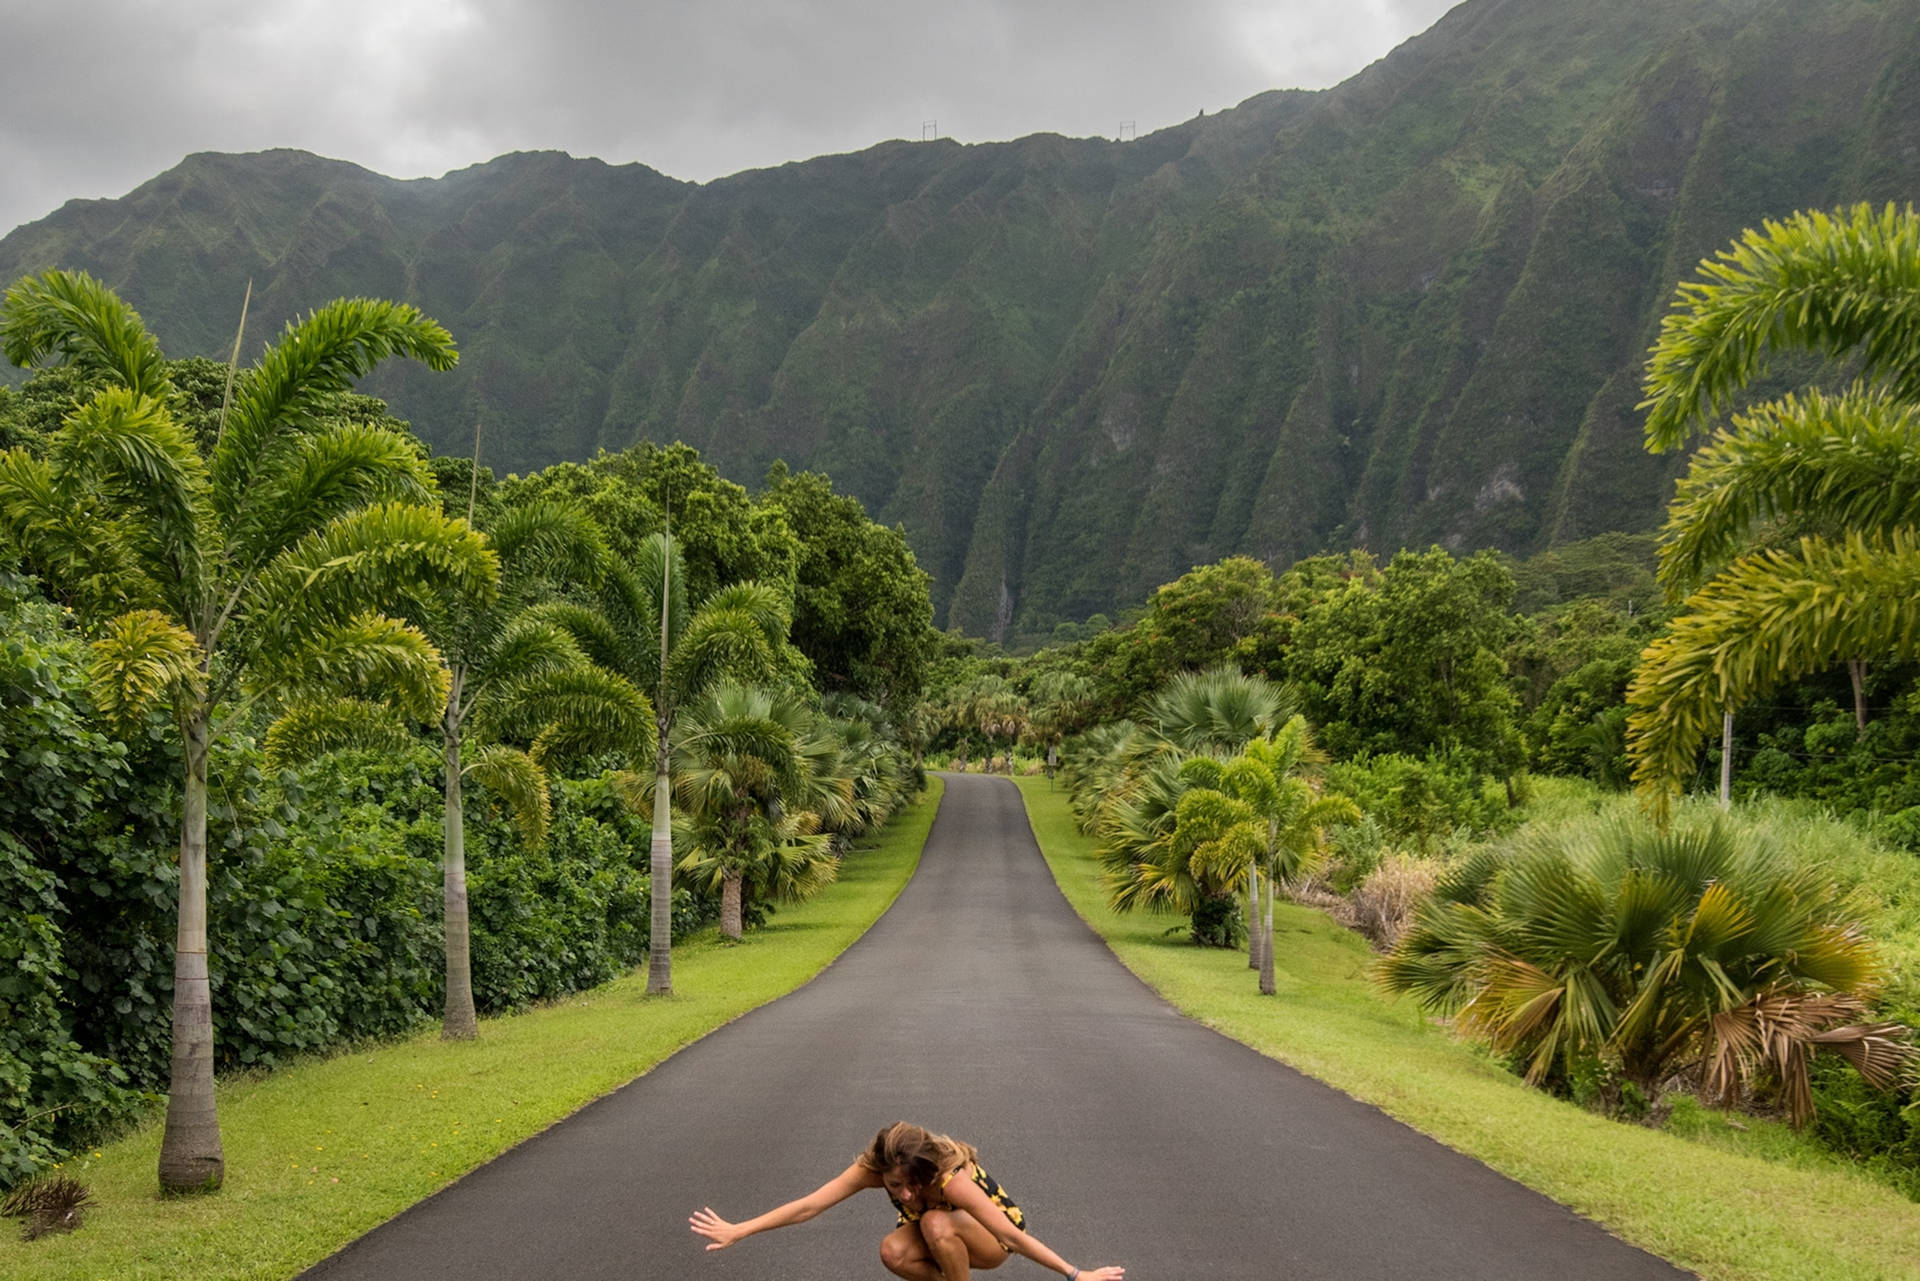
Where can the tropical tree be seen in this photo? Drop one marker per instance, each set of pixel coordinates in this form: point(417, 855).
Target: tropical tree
point(1219, 711)
point(513, 673)
point(1254, 814)
point(642, 629)
point(1839, 285)
point(742, 778)
point(257, 568)
point(1652, 951)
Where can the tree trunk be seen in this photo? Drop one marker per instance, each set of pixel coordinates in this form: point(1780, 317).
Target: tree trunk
point(730, 924)
point(660, 880)
point(457, 1022)
point(1726, 761)
point(1266, 948)
point(1253, 918)
point(190, 1156)
point(1857, 674)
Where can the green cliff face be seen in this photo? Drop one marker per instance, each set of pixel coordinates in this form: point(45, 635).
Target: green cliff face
point(1408, 309)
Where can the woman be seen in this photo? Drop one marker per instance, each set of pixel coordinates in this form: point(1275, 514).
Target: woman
point(953, 1216)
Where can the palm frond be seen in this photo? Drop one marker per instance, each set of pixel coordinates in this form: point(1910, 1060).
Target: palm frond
point(322, 476)
point(1850, 461)
point(530, 645)
point(717, 644)
point(593, 632)
point(336, 345)
point(571, 710)
point(1770, 618)
point(137, 465)
point(71, 318)
point(521, 782)
point(1828, 283)
point(315, 727)
point(139, 660)
point(88, 560)
point(378, 557)
point(369, 656)
point(551, 538)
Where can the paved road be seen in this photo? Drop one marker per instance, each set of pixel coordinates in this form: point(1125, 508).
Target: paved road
point(982, 1006)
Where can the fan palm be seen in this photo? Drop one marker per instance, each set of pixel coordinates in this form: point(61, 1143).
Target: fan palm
point(257, 568)
point(1219, 711)
point(1844, 465)
point(742, 778)
point(1253, 815)
point(1655, 950)
point(643, 630)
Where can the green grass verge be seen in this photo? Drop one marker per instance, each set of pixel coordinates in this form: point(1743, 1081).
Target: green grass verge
point(320, 1152)
point(1753, 1205)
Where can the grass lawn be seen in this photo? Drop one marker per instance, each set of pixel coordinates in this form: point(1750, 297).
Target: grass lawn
point(320, 1152)
point(1756, 1205)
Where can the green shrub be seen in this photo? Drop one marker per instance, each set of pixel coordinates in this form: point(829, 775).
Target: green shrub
point(1418, 801)
point(61, 775)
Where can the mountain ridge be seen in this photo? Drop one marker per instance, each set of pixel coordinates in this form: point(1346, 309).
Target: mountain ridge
point(1408, 308)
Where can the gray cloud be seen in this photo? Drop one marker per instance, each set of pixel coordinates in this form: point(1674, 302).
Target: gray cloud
point(104, 94)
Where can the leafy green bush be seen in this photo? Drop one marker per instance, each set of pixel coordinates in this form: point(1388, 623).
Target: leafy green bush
point(60, 772)
point(1416, 800)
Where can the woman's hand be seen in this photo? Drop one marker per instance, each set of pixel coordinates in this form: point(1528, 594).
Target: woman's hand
point(1104, 1274)
point(719, 1233)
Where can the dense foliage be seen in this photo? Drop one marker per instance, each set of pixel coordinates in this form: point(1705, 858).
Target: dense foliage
point(327, 815)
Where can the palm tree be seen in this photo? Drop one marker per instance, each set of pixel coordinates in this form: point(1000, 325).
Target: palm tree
point(741, 776)
point(1846, 464)
point(1254, 815)
point(512, 673)
point(1653, 950)
point(259, 568)
point(644, 631)
point(1219, 711)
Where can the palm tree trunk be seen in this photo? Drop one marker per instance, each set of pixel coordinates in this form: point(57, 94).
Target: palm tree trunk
point(458, 1022)
point(730, 923)
point(1266, 947)
point(660, 881)
point(191, 1159)
point(1253, 918)
point(1857, 674)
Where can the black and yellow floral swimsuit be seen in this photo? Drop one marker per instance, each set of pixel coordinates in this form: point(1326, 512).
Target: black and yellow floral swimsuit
point(995, 1193)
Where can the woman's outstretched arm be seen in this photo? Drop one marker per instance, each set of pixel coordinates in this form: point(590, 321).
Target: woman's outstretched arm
point(720, 1234)
point(965, 1194)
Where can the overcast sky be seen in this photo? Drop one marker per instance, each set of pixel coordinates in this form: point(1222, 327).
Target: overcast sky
point(103, 94)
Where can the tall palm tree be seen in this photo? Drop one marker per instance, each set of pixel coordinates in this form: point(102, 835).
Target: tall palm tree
point(259, 568)
point(1839, 285)
point(512, 673)
point(1254, 814)
point(644, 631)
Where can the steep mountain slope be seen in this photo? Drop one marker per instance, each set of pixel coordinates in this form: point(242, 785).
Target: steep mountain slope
point(1410, 308)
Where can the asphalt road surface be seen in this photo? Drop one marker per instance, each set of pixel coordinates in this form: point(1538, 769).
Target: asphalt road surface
point(981, 1006)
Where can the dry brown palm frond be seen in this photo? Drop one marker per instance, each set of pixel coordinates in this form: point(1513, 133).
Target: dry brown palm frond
point(47, 1205)
point(1779, 1030)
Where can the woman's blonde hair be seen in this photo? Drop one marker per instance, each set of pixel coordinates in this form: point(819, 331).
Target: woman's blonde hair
point(916, 1153)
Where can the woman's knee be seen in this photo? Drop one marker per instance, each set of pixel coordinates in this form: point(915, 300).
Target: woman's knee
point(896, 1251)
point(939, 1226)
